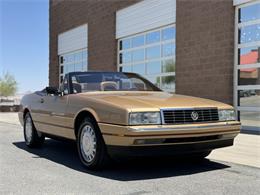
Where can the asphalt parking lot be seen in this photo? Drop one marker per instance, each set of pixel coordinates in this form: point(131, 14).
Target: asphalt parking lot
point(55, 169)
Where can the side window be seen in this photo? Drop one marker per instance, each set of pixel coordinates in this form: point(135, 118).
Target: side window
point(64, 86)
point(76, 86)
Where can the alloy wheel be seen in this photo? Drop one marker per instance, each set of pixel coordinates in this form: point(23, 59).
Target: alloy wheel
point(88, 143)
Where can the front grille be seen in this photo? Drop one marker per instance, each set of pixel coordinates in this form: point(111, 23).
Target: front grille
point(184, 116)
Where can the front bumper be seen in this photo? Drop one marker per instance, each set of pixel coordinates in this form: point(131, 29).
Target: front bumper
point(167, 150)
point(168, 139)
point(117, 135)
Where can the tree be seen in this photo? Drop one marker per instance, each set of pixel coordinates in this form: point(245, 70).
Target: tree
point(8, 85)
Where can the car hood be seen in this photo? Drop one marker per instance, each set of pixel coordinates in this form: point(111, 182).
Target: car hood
point(136, 101)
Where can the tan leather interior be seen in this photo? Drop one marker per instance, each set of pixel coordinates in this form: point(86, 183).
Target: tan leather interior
point(109, 85)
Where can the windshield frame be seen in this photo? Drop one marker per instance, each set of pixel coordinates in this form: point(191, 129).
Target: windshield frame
point(71, 74)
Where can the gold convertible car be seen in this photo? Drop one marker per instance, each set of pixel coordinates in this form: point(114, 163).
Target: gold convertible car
point(114, 113)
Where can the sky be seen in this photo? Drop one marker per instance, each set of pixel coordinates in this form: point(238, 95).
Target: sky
point(24, 42)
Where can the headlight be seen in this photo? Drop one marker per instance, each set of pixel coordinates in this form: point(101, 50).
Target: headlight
point(226, 115)
point(140, 118)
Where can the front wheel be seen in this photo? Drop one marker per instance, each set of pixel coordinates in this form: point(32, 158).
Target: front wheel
point(32, 137)
point(91, 147)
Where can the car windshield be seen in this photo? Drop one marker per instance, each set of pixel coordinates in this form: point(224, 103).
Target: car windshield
point(110, 81)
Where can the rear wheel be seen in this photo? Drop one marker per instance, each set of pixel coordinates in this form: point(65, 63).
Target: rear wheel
point(91, 147)
point(32, 137)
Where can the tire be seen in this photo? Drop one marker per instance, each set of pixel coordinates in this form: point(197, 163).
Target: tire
point(32, 137)
point(91, 146)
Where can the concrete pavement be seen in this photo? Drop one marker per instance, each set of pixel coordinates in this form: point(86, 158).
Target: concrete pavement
point(9, 117)
point(245, 151)
point(56, 169)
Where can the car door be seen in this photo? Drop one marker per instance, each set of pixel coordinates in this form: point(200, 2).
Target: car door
point(55, 107)
point(37, 112)
point(57, 122)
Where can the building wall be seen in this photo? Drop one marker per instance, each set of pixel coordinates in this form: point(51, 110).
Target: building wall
point(100, 16)
point(205, 48)
point(204, 41)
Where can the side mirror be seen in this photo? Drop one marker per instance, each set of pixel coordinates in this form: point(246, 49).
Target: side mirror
point(52, 91)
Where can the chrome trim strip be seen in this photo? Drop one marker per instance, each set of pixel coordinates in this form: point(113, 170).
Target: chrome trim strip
point(162, 116)
point(185, 128)
point(54, 125)
point(189, 108)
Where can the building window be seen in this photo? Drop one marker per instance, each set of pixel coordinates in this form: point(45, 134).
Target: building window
point(73, 61)
point(247, 64)
point(150, 54)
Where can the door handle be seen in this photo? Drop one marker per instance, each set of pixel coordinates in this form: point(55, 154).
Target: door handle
point(42, 100)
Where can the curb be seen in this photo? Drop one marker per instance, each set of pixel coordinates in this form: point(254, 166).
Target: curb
point(250, 132)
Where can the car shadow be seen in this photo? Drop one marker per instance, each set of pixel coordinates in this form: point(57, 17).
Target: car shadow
point(65, 153)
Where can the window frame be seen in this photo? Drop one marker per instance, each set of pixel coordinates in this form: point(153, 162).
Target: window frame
point(62, 64)
point(159, 43)
point(237, 66)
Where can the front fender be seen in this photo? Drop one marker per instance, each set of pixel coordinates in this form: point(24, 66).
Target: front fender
point(90, 110)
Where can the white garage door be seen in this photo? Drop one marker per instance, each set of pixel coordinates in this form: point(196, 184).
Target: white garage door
point(73, 50)
point(74, 39)
point(144, 16)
